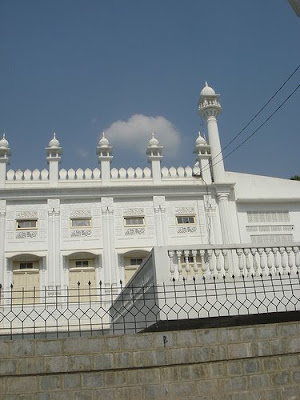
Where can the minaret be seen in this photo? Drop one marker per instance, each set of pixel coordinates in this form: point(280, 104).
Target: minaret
point(4, 159)
point(154, 152)
point(54, 152)
point(209, 108)
point(104, 151)
point(202, 149)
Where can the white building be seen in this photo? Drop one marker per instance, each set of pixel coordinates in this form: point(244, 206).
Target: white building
point(61, 227)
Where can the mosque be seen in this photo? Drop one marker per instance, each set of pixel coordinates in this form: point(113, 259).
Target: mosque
point(60, 227)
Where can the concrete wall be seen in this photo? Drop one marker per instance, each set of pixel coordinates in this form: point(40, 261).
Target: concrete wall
point(239, 363)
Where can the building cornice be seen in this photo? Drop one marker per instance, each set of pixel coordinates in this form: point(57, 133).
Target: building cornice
point(193, 189)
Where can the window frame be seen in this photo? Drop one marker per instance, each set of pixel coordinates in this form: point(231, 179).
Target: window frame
point(81, 226)
point(27, 263)
point(186, 223)
point(28, 228)
point(136, 259)
point(80, 264)
point(134, 217)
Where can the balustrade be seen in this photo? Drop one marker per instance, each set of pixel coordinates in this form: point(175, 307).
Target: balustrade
point(226, 261)
point(95, 174)
point(27, 175)
point(131, 173)
point(179, 172)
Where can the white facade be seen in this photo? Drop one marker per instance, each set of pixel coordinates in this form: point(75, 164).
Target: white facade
point(61, 227)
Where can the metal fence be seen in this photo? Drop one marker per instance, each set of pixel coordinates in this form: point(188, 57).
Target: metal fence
point(174, 305)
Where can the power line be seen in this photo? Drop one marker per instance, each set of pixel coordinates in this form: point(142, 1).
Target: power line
point(261, 109)
point(262, 124)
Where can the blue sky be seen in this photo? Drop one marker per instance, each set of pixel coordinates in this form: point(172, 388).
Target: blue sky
point(80, 67)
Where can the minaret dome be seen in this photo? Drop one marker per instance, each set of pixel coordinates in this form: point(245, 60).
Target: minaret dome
point(4, 143)
point(103, 142)
point(207, 91)
point(54, 142)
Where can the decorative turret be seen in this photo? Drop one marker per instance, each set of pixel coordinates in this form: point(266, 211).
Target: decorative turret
point(54, 152)
point(209, 108)
point(104, 151)
point(202, 149)
point(154, 152)
point(4, 158)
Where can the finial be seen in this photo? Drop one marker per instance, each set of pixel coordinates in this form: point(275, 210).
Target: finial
point(3, 136)
point(153, 142)
point(206, 84)
point(103, 135)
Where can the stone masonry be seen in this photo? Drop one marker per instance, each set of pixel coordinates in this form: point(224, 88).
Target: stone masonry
point(260, 362)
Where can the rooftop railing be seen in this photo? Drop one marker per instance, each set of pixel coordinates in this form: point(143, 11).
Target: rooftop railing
point(66, 175)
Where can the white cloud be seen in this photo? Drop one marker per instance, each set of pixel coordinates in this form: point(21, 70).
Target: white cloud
point(135, 134)
point(82, 153)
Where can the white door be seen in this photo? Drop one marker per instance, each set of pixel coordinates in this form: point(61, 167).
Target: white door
point(26, 283)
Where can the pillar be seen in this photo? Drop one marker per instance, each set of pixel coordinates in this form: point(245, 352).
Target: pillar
point(159, 203)
point(54, 268)
point(225, 218)
point(2, 241)
point(109, 252)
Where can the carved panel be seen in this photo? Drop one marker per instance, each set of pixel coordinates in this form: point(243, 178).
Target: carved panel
point(134, 211)
point(187, 229)
point(134, 231)
point(159, 200)
point(81, 232)
point(26, 214)
point(107, 201)
point(27, 234)
point(80, 213)
point(185, 210)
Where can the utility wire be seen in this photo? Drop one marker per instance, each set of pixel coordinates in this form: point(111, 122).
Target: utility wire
point(262, 108)
point(253, 133)
point(262, 124)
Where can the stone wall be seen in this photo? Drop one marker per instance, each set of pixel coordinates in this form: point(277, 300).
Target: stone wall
point(237, 363)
